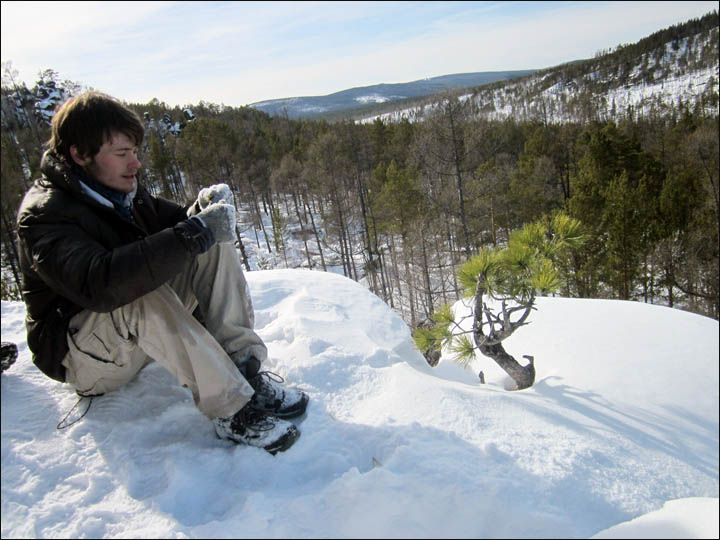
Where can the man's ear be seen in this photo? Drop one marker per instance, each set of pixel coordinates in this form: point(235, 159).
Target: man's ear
point(78, 157)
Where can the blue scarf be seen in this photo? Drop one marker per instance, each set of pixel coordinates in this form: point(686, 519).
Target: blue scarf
point(120, 201)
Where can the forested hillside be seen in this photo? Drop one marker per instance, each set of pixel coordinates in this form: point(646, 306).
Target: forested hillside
point(399, 205)
point(674, 68)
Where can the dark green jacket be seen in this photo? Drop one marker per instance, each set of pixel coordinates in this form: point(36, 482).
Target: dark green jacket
point(75, 254)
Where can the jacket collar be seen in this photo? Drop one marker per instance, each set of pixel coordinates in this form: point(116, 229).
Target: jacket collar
point(75, 179)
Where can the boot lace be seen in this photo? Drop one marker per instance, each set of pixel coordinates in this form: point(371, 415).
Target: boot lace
point(262, 383)
point(253, 419)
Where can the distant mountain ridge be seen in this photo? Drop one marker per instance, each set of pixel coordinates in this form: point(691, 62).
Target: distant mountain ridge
point(671, 70)
point(308, 106)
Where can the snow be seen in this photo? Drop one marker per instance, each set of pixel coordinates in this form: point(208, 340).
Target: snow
point(617, 438)
point(699, 520)
point(374, 98)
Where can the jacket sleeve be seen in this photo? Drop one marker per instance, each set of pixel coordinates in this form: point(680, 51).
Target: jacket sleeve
point(79, 267)
point(170, 213)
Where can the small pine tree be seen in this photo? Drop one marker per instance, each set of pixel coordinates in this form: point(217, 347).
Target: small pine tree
point(502, 283)
point(279, 230)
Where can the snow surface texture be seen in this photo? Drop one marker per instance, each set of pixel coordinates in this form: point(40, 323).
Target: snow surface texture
point(621, 426)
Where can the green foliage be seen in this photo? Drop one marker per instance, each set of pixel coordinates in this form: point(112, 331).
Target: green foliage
point(623, 224)
point(438, 332)
point(566, 234)
point(485, 263)
point(399, 201)
point(530, 264)
point(545, 278)
point(443, 316)
point(464, 349)
point(424, 339)
point(534, 189)
point(617, 195)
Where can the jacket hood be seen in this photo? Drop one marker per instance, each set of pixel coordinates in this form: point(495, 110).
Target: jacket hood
point(58, 171)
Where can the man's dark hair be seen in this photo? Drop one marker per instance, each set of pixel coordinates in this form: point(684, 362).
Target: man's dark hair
point(89, 120)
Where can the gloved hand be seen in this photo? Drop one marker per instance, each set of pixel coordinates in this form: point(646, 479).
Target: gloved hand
point(220, 219)
point(215, 194)
point(194, 235)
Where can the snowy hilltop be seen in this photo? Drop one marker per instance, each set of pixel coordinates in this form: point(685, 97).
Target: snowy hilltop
point(618, 437)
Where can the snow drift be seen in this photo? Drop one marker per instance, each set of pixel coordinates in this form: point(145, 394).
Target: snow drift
point(622, 419)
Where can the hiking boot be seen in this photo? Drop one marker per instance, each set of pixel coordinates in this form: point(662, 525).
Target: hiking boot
point(255, 428)
point(8, 355)
point(273, 399)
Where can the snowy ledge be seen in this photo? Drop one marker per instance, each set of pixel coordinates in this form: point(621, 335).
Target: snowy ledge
point(623, 418)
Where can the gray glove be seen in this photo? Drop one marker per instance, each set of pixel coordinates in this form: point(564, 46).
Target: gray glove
point(215, 194)
point(220, 219)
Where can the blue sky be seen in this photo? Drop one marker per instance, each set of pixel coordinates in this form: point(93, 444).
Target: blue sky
point(238, 53)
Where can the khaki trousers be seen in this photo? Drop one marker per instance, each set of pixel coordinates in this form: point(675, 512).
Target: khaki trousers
point(107, 350)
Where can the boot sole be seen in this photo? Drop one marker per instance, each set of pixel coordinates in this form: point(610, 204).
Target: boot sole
point(284, 442)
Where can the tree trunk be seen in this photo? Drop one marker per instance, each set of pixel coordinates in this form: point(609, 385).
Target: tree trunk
point(426, 275)
point(396, 272)
point(241, 247)
point(453, 259)
point(386, 278)
point(460, 187)
point(524, 376)
point(441, 273)
point(309, 213)
point(362, 194)
point(407, 256)
point(492, 221)
point(303, 231)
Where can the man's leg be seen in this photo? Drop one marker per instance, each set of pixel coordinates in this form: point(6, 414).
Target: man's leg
point(216, 283)
point(108, 349)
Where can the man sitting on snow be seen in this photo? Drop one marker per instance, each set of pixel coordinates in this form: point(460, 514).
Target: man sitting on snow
point(112, 276)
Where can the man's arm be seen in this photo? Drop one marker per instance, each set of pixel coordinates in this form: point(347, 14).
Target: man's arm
point(78, 267)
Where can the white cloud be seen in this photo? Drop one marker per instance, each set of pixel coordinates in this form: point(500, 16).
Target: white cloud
point(66, 36)
point(34, 27)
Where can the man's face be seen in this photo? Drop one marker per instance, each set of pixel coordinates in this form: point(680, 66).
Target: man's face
point(116, 164)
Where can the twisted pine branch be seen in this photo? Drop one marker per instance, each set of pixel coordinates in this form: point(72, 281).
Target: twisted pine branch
point(491, 344)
